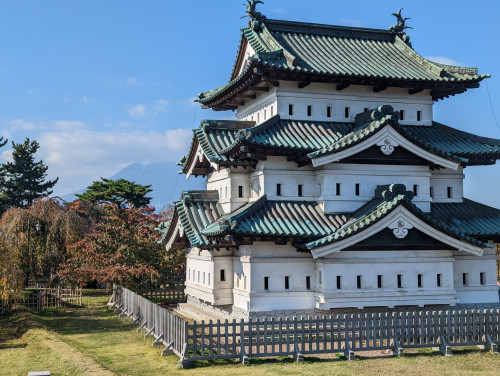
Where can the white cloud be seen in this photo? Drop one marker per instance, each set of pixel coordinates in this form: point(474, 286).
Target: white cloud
point(139, 110)
point(84, 99)
point(160, 105)
point(7, 155)
point(132, 81)
point(79, 155)
point(19, 124)
point(443, 60)
point(127, 81)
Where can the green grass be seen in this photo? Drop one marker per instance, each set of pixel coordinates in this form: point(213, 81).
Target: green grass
point(93, 341)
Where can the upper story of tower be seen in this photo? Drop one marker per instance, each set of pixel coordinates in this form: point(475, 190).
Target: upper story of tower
point(331, 73)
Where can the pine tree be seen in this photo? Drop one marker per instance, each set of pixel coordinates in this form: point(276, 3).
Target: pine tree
point(24, 180)
point(121, 192)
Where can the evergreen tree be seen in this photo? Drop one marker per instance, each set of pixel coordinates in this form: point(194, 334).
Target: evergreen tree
point(121, 192)
point(24, 180)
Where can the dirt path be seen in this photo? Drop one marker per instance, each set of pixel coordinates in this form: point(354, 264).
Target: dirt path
point(88, 365)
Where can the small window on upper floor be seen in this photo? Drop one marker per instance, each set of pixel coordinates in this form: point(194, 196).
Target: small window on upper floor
point(272, 111)
point(226, 193)
point(400, 281)
point(465, 279)
point(266, 283)
point(431, 192)
point(439, 279)
point(482, 278)
point(265, 114)
point(358, 188)
point(346, 112)
point(450, 192)
point(287, 283)
point(359, 282)
point(309, 110)
point(339, 282)
point(415, 189)
point(278, 189)
point(299, 190)
point(401, 114)
point(222, 275)
point(328, 111)
point(379, 281)
point(420, 279)
point(258, 117)
point(308, 282)
point(240, 191)
point(290, 109)
point(419, 115)
point(337, 189)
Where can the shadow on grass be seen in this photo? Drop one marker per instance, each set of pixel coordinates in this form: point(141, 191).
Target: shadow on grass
point(12, 346)
point(259, 361)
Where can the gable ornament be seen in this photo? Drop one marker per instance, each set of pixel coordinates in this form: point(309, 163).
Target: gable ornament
point(400, 227)
point(387, 145)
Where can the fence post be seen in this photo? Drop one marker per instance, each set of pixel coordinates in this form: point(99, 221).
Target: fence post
point(39, 302)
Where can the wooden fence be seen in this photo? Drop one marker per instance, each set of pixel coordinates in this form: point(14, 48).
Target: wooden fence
point(311, 335)
point(172, 292)
point(43, 298)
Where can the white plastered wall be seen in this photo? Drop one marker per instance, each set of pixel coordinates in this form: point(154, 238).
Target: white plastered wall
point(321, 95)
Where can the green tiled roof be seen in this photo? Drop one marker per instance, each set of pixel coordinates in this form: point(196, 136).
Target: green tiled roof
point(301, 135)
point(340, 53)
point(306, 225)
point(195, 211)
point(470, 218)
point(382, 205)
point(221, 140)
point(438, 139)
point(290, 219)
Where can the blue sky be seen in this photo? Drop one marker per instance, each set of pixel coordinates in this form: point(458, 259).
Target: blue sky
point(102, 84)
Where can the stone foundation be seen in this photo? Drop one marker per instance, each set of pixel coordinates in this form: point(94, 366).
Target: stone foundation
point(233, 313)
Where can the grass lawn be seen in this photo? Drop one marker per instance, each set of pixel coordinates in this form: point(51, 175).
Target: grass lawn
point(94, 341)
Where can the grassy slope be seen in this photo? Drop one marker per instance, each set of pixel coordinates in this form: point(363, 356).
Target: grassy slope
point(93, 341)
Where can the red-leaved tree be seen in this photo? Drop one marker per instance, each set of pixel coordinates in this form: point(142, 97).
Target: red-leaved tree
point(123, 248)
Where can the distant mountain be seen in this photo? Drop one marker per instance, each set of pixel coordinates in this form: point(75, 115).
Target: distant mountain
point(165, 181)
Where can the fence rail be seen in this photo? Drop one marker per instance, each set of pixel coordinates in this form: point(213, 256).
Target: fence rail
point(310, 335)
point(172, 292)
point(43, 298)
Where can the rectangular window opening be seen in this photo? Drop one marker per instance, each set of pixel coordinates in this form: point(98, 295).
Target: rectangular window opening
point(290, 109)
point(420, 278)
point(419, 115)
point(222, 275)
point(401, 114)
point(431, 192)
point(258, 117)
point(450, 192)
point(240, 191)
point(346, 112)
point(439, 280)
point(266, 283)
point(244, 282)
point(482, 278)
point(272, 111)
point(198, 276)
point(309, 110)
point(308, 282)
point(265, 114)
point(465, 279)
point(328, 111)
point(299, 190)
point(365, 109)
point(415, 189)
point(358, 281)
point(278, 189)
point(208, 279)
point(339, 282)
point(400, 281)
point(287, 283)
point(337, 189)
point(379, 281)
point(357, 189)
point(237, 281)
point(320, 277)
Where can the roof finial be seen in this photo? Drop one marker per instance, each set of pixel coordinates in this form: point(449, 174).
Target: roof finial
point(255, 17)
point(400, 26)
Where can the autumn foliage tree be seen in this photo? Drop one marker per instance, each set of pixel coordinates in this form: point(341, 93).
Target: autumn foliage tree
point(122, 249)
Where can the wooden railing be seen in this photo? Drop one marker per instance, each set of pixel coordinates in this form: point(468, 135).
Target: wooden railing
point(172, 292)
point(310, 335)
